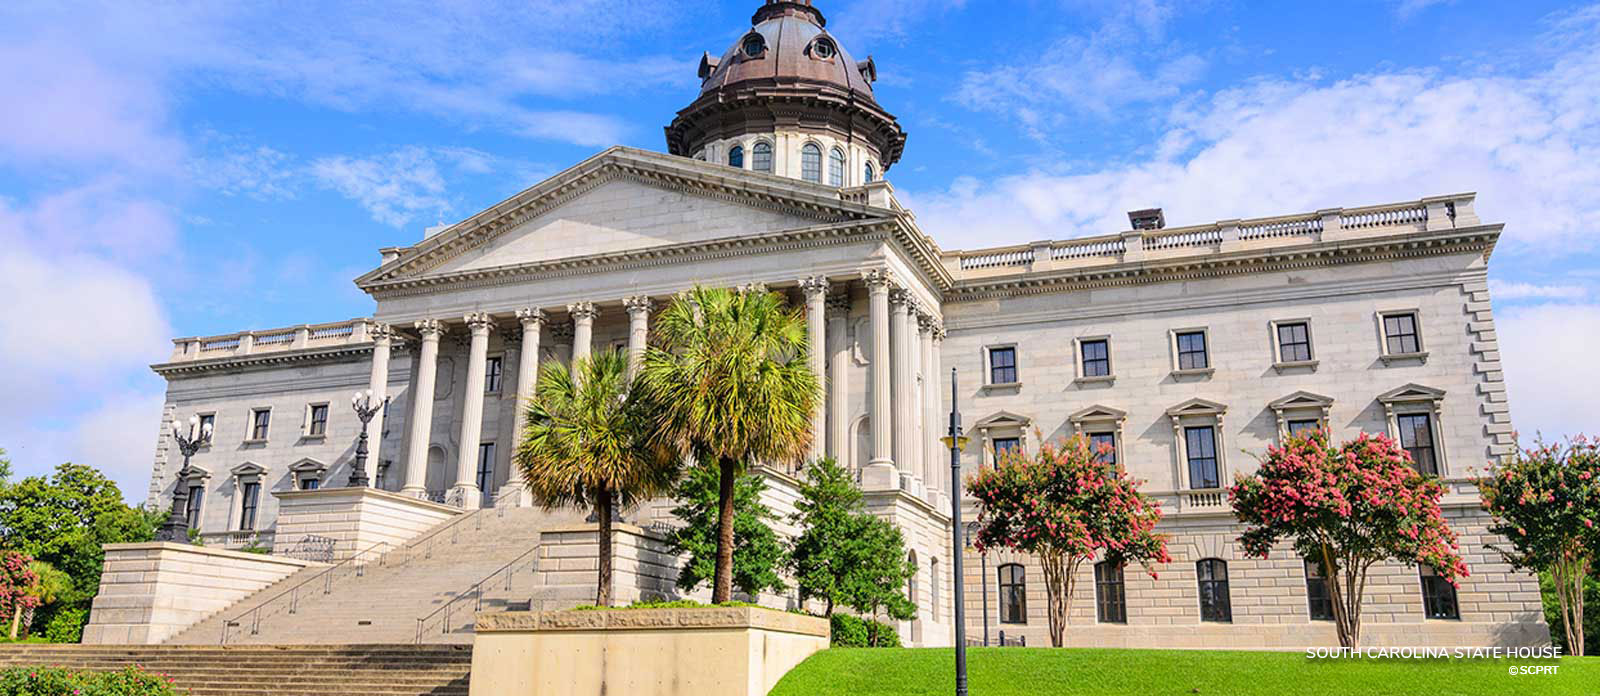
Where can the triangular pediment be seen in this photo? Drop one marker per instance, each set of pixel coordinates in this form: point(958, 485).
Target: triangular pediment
point(1411, 392)
point(1001, 419)
point(620, 201)
point(1197, 407)
point(308, 465)
point(1098, 412)
point(1301, 399)
point(248, 469)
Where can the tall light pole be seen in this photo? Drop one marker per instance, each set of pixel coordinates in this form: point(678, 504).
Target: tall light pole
point(956, 443)
point(361, 402)
point(176, 528)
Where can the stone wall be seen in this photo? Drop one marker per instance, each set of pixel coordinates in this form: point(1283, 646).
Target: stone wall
point(151, 591)
point(357, 519)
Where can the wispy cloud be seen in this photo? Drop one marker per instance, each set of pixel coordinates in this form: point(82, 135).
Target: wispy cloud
point(1406, 9)
point(409, 184)
point(1514, 291)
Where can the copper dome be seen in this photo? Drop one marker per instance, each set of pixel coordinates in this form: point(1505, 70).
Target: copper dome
point(786, 70)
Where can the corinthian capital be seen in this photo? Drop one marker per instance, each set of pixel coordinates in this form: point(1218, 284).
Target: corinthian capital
point(814, 285)
point(839, 304)
point(878, 280)
point(478, 322)
point(429, 328)
point(902, 296)
point(638, 304)
point(531, 317)
point(380, 331)
point(583, 311)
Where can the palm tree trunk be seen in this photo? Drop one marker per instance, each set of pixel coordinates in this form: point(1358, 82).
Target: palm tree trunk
point(722, 585)
point(603, 512)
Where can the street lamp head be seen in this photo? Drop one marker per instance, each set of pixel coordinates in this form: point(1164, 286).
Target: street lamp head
point(960, 442)
point(194, 420)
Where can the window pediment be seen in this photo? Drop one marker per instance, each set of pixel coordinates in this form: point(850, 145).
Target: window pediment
point(194, 473)
point(1098, 412)
point(1197, 407)
point(1411, 393)
point(308, 466)
point(248, 469)
point(1301, 399)
point(1004, 419)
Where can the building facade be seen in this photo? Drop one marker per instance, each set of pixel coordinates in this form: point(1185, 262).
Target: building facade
point(1187, 349)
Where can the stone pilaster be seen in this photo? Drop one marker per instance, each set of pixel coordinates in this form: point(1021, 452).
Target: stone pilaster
point(839, 377)
point(900, 349)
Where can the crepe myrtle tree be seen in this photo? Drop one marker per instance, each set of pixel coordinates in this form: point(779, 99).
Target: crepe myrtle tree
point(1545, 501)
point(19, 587)
point(1347, 508)
point(1065, 506)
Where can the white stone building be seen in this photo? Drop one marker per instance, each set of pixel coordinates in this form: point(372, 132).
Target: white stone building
point(1188, 348)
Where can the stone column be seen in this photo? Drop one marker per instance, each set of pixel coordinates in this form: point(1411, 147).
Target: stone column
point(816, 292)
point(583, 315)
point(900, 349)
point(421, 420)
point(378, 383)
point(638, 331)
point(532, 320)
point(880, 472)
point(466, 488)
point(561, 336)
point(933, 475)
point(839, 444)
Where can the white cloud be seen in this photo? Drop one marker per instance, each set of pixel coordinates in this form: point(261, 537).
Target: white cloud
point(865, 21)
point(1514, 291)
point(395, 188)
point(1406, 9)
point(257, 171)
point(1550, 368)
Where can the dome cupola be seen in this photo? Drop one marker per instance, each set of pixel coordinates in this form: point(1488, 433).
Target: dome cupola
point(787, 98)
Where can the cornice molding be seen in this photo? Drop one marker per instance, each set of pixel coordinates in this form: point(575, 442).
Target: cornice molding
point(262, 360)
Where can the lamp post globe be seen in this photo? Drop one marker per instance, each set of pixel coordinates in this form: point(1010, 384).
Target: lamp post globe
point(176, 528)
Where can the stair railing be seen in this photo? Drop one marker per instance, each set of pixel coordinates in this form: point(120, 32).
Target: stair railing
point(450, 533)
point(355, 565)
point(507, 572)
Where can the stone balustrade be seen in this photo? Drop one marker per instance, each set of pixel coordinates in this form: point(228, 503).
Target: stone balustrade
point(1428, 214)
point(306, 336)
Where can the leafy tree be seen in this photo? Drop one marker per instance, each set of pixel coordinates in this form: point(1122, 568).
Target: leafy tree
point(586, 442)
point(1346, 507)
point(730, 385)
point(19, 586)
point(63, 520)
point(1546, 503)
point(1064, 506)
point(844, 555)
point(758, 553)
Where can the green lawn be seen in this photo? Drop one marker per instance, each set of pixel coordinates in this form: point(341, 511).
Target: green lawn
point(1104, 672)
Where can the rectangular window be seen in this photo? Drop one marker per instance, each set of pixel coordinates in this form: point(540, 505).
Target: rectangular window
point(1298, 428)
point(250, 497)
point(260, 419)
point(1192, 351)
point(1002, 365)
point(491, 375)
point(1438, 596)
point(1400, 333)
point(208, 424)
point(191, 511)
point(318, 424)
point(310, 484)
point(1319, 597)
point(1416, 436)
point(1215, 603)
point(1294, 342)
point(1096, 358)
point(485, 466)
point(1201, 445)
point(1002, 445)
point(1013, 594)
point(1104, 447)
point(1110, 595)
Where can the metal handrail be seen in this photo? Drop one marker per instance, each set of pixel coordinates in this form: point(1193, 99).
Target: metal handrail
point(476, 589)
point(454, 527)
point(293, 593)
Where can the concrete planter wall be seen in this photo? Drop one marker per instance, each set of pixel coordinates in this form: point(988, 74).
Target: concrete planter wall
point(644, 652)
point(355, 518)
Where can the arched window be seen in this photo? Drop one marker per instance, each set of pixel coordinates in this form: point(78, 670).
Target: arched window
point(933, 588)
point(1214, 602)
point(811, 163)
point(1110, 597)
point(755, 45)
point(836, 167)
point(1319, 597)
point(911, 580)
point(1013, 594)
point(736, 157)
point(763, 156)
point(871, 175)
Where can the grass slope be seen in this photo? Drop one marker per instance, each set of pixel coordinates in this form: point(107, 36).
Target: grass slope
point(1105, 672)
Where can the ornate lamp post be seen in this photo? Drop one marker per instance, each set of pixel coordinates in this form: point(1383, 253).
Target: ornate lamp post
point(176, 528)
point(956, 442)
point(361, 402)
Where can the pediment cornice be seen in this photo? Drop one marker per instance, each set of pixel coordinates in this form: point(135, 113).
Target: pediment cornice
point(765, 191)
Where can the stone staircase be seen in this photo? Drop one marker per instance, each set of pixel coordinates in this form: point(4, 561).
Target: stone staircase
point(302, 670)
point(378, 599)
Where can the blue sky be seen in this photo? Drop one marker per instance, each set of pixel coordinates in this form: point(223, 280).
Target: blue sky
point(184, 169)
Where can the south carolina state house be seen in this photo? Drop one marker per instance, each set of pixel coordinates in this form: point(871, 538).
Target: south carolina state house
point(1188, 349)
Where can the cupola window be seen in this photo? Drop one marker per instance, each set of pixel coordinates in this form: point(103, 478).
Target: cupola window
point(823, 49)
point(762, 152)
point(811, 163)
point(754, 45)
point(871, 174)
point(736, 157)
point(836, 167)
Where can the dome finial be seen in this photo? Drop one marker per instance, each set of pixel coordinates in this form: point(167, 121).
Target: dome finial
point(792, 8)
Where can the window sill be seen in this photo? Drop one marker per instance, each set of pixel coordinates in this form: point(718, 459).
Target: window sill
point(1400, 357)
point(1102, 379)
point(1194, 372)
point(1308, 365)
point(313, 438)
point(262, 441)
point(1004, 386)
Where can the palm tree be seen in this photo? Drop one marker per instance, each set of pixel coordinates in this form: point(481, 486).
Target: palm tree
point(586, 442)
point(729, 383)
point(48, 586)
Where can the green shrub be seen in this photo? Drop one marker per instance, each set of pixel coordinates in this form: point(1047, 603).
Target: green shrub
point(53, 681)
point(67, 625)
point(856, 632)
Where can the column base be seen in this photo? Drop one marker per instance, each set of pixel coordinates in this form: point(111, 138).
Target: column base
point(415, 492)
point(467, 497)
point(913, 485)
point(880, 475)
